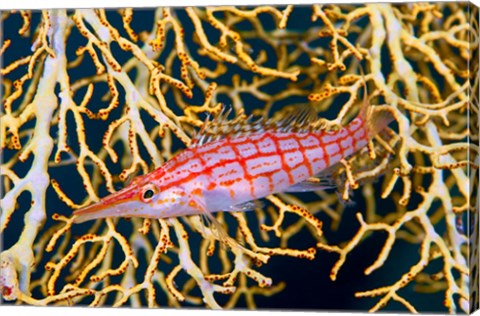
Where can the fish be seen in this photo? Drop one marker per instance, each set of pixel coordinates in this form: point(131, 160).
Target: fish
point(231, 164)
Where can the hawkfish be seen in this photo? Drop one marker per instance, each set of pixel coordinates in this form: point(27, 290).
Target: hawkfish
point(229, 166)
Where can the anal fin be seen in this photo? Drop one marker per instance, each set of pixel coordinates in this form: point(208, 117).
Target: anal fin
point(311, 184)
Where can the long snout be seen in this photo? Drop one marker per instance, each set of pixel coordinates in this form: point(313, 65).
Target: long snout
point(117, 204)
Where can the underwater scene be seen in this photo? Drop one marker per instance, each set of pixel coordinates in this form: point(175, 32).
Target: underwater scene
point(290, 157)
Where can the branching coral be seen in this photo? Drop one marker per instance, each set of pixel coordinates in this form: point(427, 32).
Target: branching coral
point(102, 97)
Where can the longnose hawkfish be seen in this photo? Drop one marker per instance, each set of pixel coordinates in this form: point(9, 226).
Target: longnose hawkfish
point(228, 166)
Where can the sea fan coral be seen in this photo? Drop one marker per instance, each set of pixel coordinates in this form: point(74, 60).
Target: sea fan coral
point(92, 98)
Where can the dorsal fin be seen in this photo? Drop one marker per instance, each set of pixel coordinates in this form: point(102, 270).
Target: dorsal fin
point(300, 119)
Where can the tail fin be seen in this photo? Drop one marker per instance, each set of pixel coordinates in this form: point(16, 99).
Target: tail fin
point(376, 121)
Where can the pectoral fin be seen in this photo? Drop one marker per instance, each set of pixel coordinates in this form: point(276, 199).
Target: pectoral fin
point(213, 224)
point(247, 206)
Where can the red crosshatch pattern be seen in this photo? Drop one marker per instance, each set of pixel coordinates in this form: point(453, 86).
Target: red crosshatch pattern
point(228, 172)
point(253, 166)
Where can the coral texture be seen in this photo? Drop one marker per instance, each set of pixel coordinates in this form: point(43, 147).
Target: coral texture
point(92, 98)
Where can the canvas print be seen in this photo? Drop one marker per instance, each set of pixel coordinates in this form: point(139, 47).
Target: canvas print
point(295, 157)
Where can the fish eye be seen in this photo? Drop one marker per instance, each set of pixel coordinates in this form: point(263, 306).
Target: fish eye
point(149, 192)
